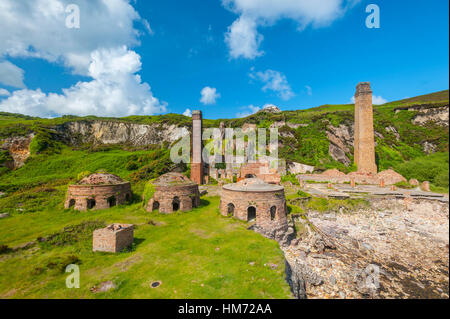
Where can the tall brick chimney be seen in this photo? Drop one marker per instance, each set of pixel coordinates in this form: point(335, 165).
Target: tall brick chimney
point(197, 146)
point(364, 144)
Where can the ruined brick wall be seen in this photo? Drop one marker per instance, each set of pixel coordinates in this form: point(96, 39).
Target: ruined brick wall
point(364, 144)
point(187, 195)
point(197, 145)
point(113, 238)
point(260, 170)
point(262, 201)
point(79, 195)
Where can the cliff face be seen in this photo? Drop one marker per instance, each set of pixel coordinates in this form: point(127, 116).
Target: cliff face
point(104, 132)
point(19, 150)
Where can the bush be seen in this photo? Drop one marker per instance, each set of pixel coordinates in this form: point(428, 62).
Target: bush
point(432, 168)
point(82, 175)
point(4, 249)
point(149, 190)
point(73, 234)
point(290, 178)
point(404, 185)
point(59, 263)
point(303, 194)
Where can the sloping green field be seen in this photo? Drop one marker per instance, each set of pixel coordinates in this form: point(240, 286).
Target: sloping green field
point(197, 254)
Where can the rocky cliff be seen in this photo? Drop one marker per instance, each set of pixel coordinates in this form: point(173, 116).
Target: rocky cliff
point(105, 132)
point(18, 148)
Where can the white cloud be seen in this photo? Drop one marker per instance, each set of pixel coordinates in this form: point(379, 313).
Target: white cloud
point(243, 38)
point(376, 100)
point(116, 90)
point(11, 75)
point(274, 81)
point(37, 29)
point(188, 112)
point(209, 95)
point(248, 110)
point(4, 92)
point(308, 90)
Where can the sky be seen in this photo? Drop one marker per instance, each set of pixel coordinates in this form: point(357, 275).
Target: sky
point(228, 58)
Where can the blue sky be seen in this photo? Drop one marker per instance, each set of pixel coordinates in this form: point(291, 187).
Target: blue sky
point(246, 54)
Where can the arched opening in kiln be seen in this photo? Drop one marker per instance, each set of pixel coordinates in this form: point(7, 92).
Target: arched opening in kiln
point(72, 203)
point(251, 213)
point(250, 176)
point(175, 204)
point(155, 205)
point(128, 197)
point(194, 202)
point(230, 209)
point(91, 203)
point(112, 201)
point(273, 212)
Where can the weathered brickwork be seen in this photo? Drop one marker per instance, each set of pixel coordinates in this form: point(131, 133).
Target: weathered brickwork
point(173, 192)
point(98, 196)
point(266, 206)
point(113, 239)
point(260, 170)
point(197, 146)
point(364, 144)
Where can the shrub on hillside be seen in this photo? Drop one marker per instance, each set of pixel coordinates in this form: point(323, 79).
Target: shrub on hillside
point(433, 168)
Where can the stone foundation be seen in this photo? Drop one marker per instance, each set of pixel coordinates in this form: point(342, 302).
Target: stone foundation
point(260, 170)
point(113, 239)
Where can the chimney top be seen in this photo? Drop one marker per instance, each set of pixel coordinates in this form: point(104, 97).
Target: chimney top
point(363, 88)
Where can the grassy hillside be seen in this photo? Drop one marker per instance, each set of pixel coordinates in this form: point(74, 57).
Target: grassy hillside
point(198, 254)
point(427, 98)
point(403, 143)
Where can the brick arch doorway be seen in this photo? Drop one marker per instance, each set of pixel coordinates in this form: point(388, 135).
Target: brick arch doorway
point(176, 204)
point(251, 213)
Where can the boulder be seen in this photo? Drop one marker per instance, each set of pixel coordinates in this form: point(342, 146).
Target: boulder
point(4, 215)
point(333, 173)
point(425, 186)
point(298, 168)
point(390, 177)
point(414, 182)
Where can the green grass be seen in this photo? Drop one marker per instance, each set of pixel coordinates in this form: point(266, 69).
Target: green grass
point(433, 168)
point(198, 254)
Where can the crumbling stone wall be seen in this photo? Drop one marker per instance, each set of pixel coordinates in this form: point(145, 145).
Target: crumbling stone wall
point(102, 196)
point(113, 238)
point(260, 170)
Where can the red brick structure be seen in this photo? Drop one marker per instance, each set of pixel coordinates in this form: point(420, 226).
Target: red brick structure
point(364, 144)
point(173, 192)
point(98, 191)
point(389, 177)
point(260, 170)
point(113, 238)
point(197, 147)
point(254, 200)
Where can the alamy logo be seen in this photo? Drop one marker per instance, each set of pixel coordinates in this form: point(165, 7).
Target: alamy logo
point(73, 16)
point(73, 280)
point(231, 146)
point(373, 20)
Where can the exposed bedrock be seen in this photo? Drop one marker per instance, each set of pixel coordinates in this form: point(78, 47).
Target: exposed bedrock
point(104, 132)
point(396, 248)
